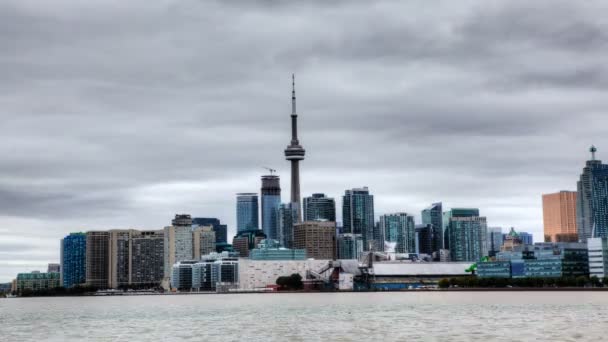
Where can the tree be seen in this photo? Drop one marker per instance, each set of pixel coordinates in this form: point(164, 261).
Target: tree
point(596, 282)
point(292, 282)
point(444, 283)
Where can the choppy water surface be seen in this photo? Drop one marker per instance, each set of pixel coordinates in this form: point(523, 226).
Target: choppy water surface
point(462, 316)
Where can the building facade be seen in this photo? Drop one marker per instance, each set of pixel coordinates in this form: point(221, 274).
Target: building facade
point(559, 217)
point(203, 241)
point(358, 214)
point(433, 215)
point(178, 244)
point(221, 230)
point(350, 246)
point(319, 207)
point(400, 228)
point(247, 211)
point(287, 217)
point(36, 281)
point(246, 240)
point(597, 249)
point(271, 200)
point(495, 240)
point(97, 259)
point(592, 200)
point(73, 259)
point(467, 236)
point(272, 250)
point(317, 238)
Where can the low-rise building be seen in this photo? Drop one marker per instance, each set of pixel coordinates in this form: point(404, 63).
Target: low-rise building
point(256, 274)
point(36, 281)
point(271, 250)
point(598, 257)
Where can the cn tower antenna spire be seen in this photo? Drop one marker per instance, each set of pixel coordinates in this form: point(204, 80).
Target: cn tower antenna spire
point(293, 94)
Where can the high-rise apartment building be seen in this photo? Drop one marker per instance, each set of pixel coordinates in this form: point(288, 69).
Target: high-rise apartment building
point(177, 242)
point(203, 240)
point(271, 200)
point(455, 212)
point(424, 238)
point(221, 230)
point(97, 259)
point(467, 234)
point(73, 259)
point(317, 238)
point(592, 200)
point(433, 215)
point(495, 239)
point(350, 246)
point(401, 229)
point(358, 214)
point(559, 217)
point(247, 211)
point(319, 207)
point(136, 258)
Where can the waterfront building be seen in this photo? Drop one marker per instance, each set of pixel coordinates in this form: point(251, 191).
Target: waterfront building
point(178, 244)
point(97, 259)
point(399, 275)
point(287, 217)
point(118, 258)
point(36, 281)
point(466, 234)
point(495, 239)
point(358, 214)
point(433, 215)
point(221, 230)
point(259, 274)
point(597, 249)
point(317, 238)
point(400, 229)
point(271, 200)
point(246, 211)
point(181, 275)
point(203, 241)
point(350, 246)
point(319, 207)
point(246, 240)
point(73, 259)
point(559, 217)
point(592, 199)
point(272, 250)
point(202, 275)
point(294, 153)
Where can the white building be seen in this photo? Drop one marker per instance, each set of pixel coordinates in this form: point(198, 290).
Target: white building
point(256, 274)
point(178, 246)
point(598, 257)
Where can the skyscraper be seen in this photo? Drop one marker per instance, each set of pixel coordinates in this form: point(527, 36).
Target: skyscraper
point(287, 218)
point(559, 217)
point(177, 242)
point(358, 214)
point(294, 153)
point(97, 251)
point(246, 212)
point(400, 228)
point(495, 239)
point(317, 238)
point(467, 234)
point(271, 200)
point(455, 212)
point(433, 215)
point(221, 230)
point(319, 207)
point(203, 241)
point(350, 246)
point(73, 259)
point(592, 199)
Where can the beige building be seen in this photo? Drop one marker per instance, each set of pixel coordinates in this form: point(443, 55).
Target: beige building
point(317, 238)
point(559, 217)
point(203, 241)
point(136, 258)
point(97, 259)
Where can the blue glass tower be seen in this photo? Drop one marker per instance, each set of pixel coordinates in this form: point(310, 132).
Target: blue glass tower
point(271, 200)
point(433, 215)
point(246, 212)
point(592, 200)
point(401, 229)
point(358, 214)
point(73, 259)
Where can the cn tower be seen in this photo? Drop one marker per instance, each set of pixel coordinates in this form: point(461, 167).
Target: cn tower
point(295, 152)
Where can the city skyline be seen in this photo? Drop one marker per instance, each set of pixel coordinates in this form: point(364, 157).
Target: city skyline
point(126, 138)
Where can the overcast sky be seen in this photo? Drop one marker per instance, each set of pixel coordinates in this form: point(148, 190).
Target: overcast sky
point(119, 114)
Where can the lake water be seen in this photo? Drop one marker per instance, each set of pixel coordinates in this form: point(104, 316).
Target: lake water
point(396, 316)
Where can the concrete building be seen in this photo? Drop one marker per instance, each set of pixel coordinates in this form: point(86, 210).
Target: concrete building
point(319, 207)
point(97, 259)
point(400, 228)
point(466, 234)
point(73, 259)
point(36, 281)
point(181, 275)
point(358, 214)
point(178, 244)
point(247, 212)
point(597, 249)
point(271, 200)
point(592, 200)
point(349, 246)
point(294, 153)
point(272, 250)
point(559, 217)
point(221, 230)
point(257, 274)
point(203, 241)
point(433, 215)
point(317, 238)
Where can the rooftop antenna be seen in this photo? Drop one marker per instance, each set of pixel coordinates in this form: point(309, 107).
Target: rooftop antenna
point(592, 149)
point(271, 170)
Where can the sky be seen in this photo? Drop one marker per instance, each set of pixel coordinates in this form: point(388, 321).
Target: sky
point(120, 114)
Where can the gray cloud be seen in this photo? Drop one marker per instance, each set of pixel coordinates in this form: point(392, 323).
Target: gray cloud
point(120, 114)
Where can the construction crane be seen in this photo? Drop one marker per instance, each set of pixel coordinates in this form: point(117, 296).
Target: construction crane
point(271, 170)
